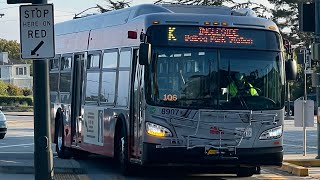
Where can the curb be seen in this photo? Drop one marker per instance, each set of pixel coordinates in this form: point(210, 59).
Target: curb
point(299, 167)
point(18, 114)
point(294, 169)
point(30, 170)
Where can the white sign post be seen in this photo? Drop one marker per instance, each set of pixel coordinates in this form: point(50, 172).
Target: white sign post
point(37, 31)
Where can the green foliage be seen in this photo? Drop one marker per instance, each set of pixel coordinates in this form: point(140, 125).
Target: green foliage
point(16, 100)
point(285, 15)
point(197, 2)
point(10, 46)
point(14, 90)
point(26, 92)
point(3, 88)
point(114, 5)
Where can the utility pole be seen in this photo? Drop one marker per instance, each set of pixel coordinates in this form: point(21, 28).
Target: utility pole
point(39, 49)
point(317, 41)
point(43, 160)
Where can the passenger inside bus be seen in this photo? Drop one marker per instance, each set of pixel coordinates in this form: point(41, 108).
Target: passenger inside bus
point(240, 87)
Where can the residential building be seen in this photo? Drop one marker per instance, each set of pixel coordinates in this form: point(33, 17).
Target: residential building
point(15, 72)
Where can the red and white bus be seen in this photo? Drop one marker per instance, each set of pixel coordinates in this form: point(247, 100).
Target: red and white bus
point(149, 85)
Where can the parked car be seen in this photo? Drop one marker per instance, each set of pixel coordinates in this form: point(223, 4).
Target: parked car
point(3, 125)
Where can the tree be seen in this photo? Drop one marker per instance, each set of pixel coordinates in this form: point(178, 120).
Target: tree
point(197, 2)
point(285, 15)
point(259, 9)
point(114, 5)
point(10, 46)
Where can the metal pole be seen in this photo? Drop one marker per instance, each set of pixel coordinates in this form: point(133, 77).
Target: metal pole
point(317, 40)
point(303, 115)
point(43, 160)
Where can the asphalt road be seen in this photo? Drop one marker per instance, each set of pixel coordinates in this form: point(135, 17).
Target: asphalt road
point(19, 137)
point(19, 144)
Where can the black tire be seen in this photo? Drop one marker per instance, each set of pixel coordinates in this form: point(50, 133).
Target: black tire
point(79, 154)
point(245, 171)
point(62, 151)
point(121, 152)
point(2, 136)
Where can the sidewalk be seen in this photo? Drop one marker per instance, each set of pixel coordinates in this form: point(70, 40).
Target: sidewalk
point(300, 165)
point(22, 167)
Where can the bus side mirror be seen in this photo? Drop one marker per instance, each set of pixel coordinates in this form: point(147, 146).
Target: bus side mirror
point(291, 69)
point(144, 53)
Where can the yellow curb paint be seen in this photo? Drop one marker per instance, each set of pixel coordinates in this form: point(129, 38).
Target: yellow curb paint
point(294, 169)
point(305, 162)
point(300, 171)
point(83, 177)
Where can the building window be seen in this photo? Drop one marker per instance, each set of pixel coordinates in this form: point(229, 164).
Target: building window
point(21, 71)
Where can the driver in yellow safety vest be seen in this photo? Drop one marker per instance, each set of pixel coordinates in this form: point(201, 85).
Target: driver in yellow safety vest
point(241, 86)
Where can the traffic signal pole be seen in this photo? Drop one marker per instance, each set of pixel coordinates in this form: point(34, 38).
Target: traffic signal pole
point(43, 160)
point(317, 40)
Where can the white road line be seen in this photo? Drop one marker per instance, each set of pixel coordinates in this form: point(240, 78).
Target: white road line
point(17, 145)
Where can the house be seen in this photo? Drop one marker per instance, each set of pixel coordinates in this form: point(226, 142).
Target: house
point(15, 72)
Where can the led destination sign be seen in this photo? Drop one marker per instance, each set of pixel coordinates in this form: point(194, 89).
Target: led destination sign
point(212, 35)
point(219, 37)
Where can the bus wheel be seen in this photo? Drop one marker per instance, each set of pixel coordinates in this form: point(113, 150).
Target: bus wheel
point(79, 154)
point(121, 152)
point(62, 151)
point(245, 171)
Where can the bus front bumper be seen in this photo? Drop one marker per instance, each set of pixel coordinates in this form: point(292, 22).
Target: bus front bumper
point(244, 156)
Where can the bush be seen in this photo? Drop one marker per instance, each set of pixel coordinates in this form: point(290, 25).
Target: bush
point(3, 88)
point(26, 92)
point(17, 100)
point(14, 90)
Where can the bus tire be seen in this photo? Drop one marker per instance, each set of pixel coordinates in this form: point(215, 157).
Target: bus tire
point(79, 154)
point(245, 171)
point(62, 151)
point(121, 151)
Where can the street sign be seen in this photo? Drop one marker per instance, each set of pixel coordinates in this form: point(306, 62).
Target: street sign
point(37, 31)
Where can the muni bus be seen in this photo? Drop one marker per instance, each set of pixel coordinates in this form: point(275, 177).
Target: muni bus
point(148, 85)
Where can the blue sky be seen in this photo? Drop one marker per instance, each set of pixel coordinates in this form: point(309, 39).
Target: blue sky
point(64, 10)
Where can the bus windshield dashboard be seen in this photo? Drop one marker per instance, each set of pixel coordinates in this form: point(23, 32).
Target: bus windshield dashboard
point(219, 37)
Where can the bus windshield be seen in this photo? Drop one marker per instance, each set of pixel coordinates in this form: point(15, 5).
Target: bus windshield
point(202, 78)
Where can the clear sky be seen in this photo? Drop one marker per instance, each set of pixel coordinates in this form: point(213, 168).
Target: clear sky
point(63, 10)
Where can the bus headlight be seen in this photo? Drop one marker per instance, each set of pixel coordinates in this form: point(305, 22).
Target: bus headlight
point(157, 130)
point(271, 133)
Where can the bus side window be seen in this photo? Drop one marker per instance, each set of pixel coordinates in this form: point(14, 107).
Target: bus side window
point(54, 80)
point(93, 73)
point(66, 63)
point(109, 70)
point(93, 61)
point(124, 77)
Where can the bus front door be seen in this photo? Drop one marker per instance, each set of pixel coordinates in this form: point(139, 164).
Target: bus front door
point(76, 101)
point(136, 106)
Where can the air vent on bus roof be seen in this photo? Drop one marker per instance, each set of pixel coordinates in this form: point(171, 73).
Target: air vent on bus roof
point(244, 12)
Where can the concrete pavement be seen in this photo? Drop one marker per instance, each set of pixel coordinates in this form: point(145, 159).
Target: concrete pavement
point(22, 167)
